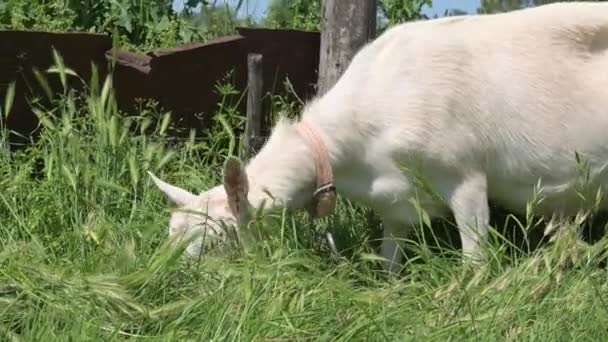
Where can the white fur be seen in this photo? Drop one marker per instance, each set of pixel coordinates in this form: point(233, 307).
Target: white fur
point(482, 106)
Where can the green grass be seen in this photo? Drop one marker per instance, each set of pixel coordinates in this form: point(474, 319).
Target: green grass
point(84, 255)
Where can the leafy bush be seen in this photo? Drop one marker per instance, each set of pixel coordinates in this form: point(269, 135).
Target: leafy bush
point(306, 14)
point(136, 24)
point(398, 11)
point(149, 24)
point(296, 14)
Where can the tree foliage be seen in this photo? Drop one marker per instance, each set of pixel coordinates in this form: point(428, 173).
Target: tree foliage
point(296, 14)
point(143, 23)
point(306, 14)
point(148, 24)
point(398, 11)
point(138, 24)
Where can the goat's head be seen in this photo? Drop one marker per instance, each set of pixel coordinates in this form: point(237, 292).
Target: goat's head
point(209, 214)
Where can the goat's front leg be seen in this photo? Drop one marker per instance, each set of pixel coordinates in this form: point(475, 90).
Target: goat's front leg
point(394, 233)
point(468, 200)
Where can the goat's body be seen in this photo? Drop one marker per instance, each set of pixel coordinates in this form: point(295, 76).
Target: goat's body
point(482, 107)
point(512, 95)
point(508, 97)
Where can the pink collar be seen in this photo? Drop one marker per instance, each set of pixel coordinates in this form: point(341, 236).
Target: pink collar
point(312, 136)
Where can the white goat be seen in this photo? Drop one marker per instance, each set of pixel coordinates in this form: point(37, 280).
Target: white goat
point(482, 106)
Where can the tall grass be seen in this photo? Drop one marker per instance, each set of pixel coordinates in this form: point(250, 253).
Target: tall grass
point(84, 253)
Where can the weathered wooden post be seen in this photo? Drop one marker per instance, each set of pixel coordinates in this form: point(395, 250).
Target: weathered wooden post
point(346, 25)
point(255, 84)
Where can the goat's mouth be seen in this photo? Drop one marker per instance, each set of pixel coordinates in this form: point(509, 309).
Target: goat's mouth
point(219, 239)
point(204, 245)
point(312, 208)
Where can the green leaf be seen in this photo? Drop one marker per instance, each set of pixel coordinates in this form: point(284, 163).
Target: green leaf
point(372, 257)
point(8, 100)
point(124, 19)
point(60, 68)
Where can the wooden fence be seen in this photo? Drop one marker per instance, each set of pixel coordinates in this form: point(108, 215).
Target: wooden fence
point(182, 79)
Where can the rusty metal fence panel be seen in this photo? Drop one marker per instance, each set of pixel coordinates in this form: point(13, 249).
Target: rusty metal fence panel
point(182, 79)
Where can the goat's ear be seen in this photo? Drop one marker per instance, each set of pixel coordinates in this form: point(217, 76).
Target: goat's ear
point(236, 186)
point(176, 195)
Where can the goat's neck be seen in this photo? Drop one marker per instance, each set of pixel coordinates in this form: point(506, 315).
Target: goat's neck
point(283, 173)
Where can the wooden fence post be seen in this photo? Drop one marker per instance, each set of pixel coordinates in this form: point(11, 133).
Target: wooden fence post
point(346, 25)
point(255, 84)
